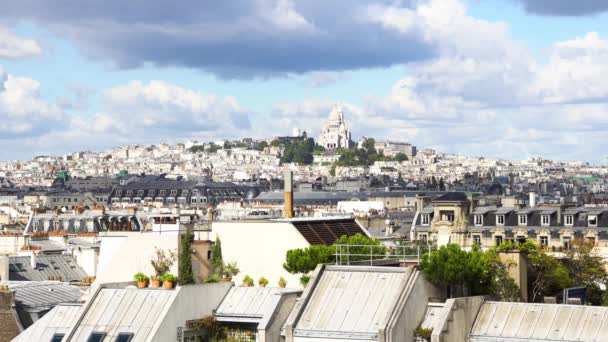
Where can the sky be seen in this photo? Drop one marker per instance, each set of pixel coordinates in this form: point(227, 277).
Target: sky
point(505, 79)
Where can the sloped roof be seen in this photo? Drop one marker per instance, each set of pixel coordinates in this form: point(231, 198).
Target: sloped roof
point(56, 321)
point(128, 310)
point(510, 322)
point(452, 197)
point(248, 304)
point(352, 301)
point(57, 265)
point(327, 231)
point(42, 294)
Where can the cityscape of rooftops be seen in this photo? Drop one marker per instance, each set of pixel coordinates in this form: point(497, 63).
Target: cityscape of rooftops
point(304, 170)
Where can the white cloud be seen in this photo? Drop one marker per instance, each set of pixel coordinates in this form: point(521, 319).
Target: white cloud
point(14, 47)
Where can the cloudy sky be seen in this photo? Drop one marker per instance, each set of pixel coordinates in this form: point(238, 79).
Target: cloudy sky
point(498, 78)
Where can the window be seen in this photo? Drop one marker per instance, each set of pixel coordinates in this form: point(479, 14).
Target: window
point(477, 239)
point(150, 193)
point(592, 219)
point(569, 220)
point(173, 192)
point(544, 241)
point(56, 224)
point(57, 337)
point(118, 192)
point(129, 193)
point(425, 219)
point(567, 242)
point(521, 239)
point(591, 239)
point(424, 238)
point(478, 220)
point(97, 337)
point(124, 337)
point(523, 220)
point(193, 200)
point(545, 220)
point(162, 193)
point(140, 193)
point(500, 220)
point(498, 240)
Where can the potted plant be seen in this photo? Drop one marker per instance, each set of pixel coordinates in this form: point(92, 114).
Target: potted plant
point(214, 278)
point(282, 282)
point(168, 280)
point(422, 334)
point(162, 262)
point(263, 282)
point(142, 280)
point(230, 270)
point(248, 281)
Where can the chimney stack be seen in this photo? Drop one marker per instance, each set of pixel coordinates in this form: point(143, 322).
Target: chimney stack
point(532, 202)
point(288, 210)
point(4, 269)
point(33, 260)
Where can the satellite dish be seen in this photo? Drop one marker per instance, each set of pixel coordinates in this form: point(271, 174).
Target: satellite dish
point(387, 221)
point(63, 209)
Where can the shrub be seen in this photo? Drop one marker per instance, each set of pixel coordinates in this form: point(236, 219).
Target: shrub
point(282, 282)
point(214, 278)
point(304, 279)
point(230, 270)
point(263, 281)
point(185, 260)
point(424, 333)
point(248, 281)
point(168, 277)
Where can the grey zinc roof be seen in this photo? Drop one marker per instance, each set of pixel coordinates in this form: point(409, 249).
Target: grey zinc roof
point(42, 294)
point(56, 265)
point(248, 304)
point(428, 210)
point(504, 211)
point(115, 311)
point(56, 321)
point(510, 322)
point(351, 301)
point(483, 210)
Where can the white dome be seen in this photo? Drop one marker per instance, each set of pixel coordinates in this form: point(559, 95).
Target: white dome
point(336, 114)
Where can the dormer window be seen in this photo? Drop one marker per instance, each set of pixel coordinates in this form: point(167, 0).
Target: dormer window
point(162, 193)
point(425, 219)
point(569, 220)
point(129, 193)
point(118, 192)
point(500, 220)
point(545, 220)
point(140, 193)
point(479, 220)
point(523, 220)
point(173, 192)
point(151, 193)
point(592, 219)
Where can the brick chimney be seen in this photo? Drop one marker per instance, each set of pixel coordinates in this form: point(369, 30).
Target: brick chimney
point(10, 326)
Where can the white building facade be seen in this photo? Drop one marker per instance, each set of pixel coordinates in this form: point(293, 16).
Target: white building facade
point(335, 134)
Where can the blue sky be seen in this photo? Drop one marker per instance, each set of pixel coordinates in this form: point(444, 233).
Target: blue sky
point(498, 78)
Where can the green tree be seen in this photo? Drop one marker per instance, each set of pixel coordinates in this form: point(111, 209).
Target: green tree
point(587, 268)
point(400, 157)
point(460, 271)
point(185, 260)
point(217, 262)
point(261, 146)
point(355, 248)
point(306, 260)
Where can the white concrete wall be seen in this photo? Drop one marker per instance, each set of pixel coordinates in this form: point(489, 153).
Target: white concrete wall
point(87, 258)
point(414, 310)
point(272, 332)
point(121, 256)
point(192, 302)
point(10, 245)
point(459, 322)
point(259, 249)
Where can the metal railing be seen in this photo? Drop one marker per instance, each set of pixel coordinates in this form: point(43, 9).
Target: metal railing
point(378, 255)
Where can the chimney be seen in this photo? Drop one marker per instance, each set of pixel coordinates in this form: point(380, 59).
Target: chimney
point(532, 202)
point(4, 270)
point(288, 209)
point(33, 260)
